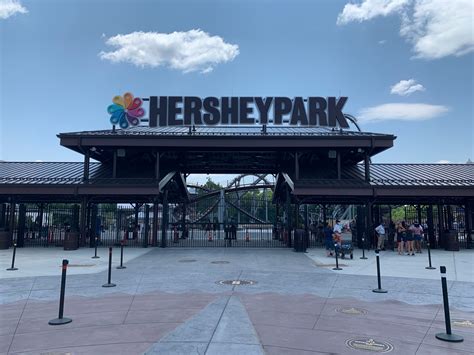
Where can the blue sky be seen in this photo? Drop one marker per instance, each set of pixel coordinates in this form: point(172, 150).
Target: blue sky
point(55, 79)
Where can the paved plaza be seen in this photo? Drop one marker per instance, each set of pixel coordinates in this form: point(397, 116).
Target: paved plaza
point(171, 301)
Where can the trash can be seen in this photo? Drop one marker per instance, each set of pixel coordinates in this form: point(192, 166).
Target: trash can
point(5, 241)
point(299, 242)
point(452, 242)
point(71, 241)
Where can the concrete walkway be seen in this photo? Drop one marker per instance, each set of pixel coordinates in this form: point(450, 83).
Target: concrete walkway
point(170, 301)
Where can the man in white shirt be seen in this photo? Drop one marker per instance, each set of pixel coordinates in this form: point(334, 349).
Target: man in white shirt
point(337, 227)
point(381, 236)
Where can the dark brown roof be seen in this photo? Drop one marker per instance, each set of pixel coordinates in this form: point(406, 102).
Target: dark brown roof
point(434, 175)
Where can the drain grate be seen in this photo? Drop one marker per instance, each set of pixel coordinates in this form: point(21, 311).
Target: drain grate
point(353, 311)
point(220, 262)
point(236, 282)
point(187, 260)
point(78, 265)
point(369, 344)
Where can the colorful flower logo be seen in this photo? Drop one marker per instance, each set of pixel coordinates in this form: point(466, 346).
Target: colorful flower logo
point(126, 111)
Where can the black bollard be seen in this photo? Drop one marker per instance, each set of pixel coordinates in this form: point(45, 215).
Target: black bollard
point(61, 320)
point(379, 289)
point(95, 251)
point(337, 260)
point(13, 268)
point(448, 336)
point(109, 284)
point(429, 258)
point(121, 257)
point(363, 249)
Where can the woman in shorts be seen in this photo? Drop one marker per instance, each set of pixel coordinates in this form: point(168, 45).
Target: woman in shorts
point(417, 231)
point(401, 230)
point(410, 239)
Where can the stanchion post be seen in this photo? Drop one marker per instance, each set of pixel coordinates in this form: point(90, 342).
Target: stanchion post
point(95, 249)
point(121, 257)
point(61, 320)
point(109, 283)
point(337, 259)
point(429, 267)
point(363, 249)
point(379, 281)
point(13, 268)
point(448, 336)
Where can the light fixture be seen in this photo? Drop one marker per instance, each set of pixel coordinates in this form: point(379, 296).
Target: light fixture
point(332, 154)
point(121, 153)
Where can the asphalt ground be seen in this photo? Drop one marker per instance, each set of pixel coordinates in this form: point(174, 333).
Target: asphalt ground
point(172, 301)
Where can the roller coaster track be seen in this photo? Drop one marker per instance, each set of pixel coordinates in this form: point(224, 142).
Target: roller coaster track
point(230, 190)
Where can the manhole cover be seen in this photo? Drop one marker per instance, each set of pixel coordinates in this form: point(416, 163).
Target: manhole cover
point(219, 262)
point(351, 311)
point(187, 260)
point(78, 265)
point(236, 282)
point(369, 344)
point(463, 323)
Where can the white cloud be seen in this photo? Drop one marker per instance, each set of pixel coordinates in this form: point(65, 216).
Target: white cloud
point(443, 162)
point(406, 87)
point(383, 41)
point(401, 111)
point(11, 7)
point(370, 9)
point(189, 51)
point(439, 28)
point(435, 28)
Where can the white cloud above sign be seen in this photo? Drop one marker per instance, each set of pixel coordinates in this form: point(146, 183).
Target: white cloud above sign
point(401, 112)
point(11, 7)
point(190, 51)
point(406, 87)
point(435, 28)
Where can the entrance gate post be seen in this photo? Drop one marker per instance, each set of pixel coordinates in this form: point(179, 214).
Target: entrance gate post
point(441, 241)
point(164, 219)
point(431, 233)
point(147, 225)
point(20, 238)
point(468, 224)
point(288, 218)
point(368, 227)
point(155, 224)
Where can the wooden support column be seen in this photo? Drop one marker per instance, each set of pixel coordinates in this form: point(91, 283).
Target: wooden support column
point(441, 234)
point(147, 225)
point(157, 166)
point(83, 221)
point(339, 168)
point(94, 226)
point(164, 219)
point(418, 211)
point(288, 217)
point(114, 164)
point(468, 224)
point(154, 235)
point(12, 220)
point(85, 176)
point(297, 166)
point(367, 167)
point(431, 231)
point(20, 238)
point(369, 233)
point(183, 222)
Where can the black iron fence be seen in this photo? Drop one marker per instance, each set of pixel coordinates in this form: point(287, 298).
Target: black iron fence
point(232, 221)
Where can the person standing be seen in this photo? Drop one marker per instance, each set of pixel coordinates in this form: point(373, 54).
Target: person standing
point(417, 231)
point(381, 236)
point(401, 230)
point(328, 241)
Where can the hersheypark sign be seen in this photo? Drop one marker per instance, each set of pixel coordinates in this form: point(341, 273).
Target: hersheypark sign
point(191, 110)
